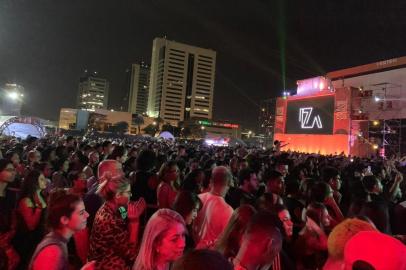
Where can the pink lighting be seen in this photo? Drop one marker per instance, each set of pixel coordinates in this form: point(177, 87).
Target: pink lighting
point(312, 86)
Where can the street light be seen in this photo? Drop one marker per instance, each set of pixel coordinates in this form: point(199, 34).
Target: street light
point(202, 127)
point(13, 95)
point(377, 99)
point(154, 123)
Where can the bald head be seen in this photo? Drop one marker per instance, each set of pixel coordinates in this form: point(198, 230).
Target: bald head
point(109, 166)
point(220, 179)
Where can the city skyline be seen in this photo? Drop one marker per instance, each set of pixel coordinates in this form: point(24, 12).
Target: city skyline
point(262, 47)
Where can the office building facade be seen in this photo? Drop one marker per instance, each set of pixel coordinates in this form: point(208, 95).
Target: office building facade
point(93, 93)
point(181, 81)
point(138, 92)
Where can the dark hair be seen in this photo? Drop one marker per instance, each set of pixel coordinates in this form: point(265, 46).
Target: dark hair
point(229, 241)
point(30, 185)
point(207, 177)
point(328, 173)
point(362, 265)
point(244, 174)
point(40, 166)
point(69, 138)
point(106, 143)
point(47, 153)
point(378, 213)
point(369, 182)
point(292, 186)
point(185, 202)
point(118, 152)
point(315, 211)
point(277, 208)
point(128, 164)
point(58, 164)
point(264, 224)
point(271, 175)
point(3, 163)
point(146, 160)
point(190, 181)
point(319, 192)
point(202, 259)
point(60, 204)
point(164, 169)
point(10, 153)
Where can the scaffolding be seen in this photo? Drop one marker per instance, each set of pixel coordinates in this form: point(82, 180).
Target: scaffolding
point(382, 103)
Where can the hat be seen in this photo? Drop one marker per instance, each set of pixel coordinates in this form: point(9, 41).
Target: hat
point(381, 251)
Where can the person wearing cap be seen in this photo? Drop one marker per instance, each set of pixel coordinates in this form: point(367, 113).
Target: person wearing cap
point(374, 250)
point(339, 237)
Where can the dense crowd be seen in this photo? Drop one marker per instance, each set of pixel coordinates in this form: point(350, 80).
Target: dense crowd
point(89, 203)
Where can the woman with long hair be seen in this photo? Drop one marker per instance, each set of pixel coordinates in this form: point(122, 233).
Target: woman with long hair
point(229, 241)
point(8, 219)
point(163, 241)
point(187, 204)
point(168, 187)
point(31, 215)
point(193, 181)
point(114, 234)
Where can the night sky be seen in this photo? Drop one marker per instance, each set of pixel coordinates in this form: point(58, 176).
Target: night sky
point(45, 45)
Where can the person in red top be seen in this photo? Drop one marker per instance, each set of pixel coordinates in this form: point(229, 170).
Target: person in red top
point(31, 213)
point(168, 188)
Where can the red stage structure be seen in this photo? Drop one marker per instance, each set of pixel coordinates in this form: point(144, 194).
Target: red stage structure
point(320, 119)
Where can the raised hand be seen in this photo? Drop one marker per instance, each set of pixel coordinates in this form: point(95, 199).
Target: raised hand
point(135, 209)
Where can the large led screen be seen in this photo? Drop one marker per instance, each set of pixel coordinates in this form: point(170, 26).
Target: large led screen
point(310, 116)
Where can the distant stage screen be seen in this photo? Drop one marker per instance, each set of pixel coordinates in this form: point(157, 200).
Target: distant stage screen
point(310, 116)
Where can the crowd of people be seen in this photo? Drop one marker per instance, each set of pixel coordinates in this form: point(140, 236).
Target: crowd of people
point(77, 203)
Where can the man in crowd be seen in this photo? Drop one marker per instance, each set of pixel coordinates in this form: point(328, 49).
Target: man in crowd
point(261, 243)
point(215, 213)
point(246, 192)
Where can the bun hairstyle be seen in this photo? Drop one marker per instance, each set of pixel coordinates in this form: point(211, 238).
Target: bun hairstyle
point(110, 185)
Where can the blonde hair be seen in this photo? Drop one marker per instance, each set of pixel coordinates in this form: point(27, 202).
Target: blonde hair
point(157, 226)
point(342, 233)
point(110, 185)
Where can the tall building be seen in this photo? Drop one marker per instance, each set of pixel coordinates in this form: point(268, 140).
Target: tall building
point(11, 99)
point(93, 93)
point(139, 83)
point(182, 81)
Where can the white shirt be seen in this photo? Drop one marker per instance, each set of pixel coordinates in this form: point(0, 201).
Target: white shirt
point(211, 219)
